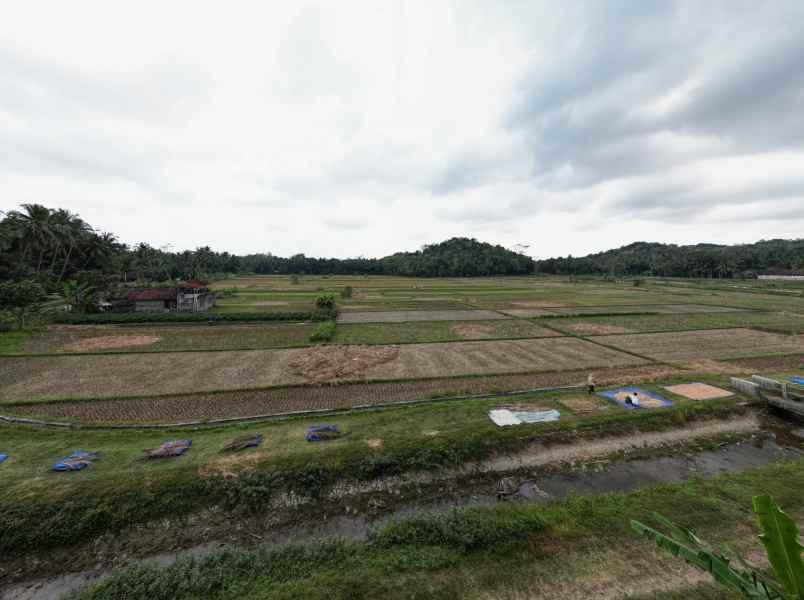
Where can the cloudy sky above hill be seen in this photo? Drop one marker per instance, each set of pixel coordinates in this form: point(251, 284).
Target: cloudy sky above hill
point(363, 128)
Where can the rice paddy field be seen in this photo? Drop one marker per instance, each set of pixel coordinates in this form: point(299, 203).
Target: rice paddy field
point(409, 376)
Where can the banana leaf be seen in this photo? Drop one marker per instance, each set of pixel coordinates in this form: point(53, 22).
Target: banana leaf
point(780, 538)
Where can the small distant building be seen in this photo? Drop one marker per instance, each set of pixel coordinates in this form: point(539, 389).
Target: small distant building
point(188, 296)
point(194, 296)
point(782, 275)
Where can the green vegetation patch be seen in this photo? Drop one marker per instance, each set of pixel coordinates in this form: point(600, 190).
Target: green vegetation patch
point(495, 552)
point(119, 490)
point(167, 338)
point(14, 341)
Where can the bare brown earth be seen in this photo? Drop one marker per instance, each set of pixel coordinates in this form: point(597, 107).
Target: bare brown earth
point(32, 378)
point(473, 332)
point(236, 404)
point(596, 329)
point(770, 363)
point(401, 316)
point(698, 391)
point(111, 342)
point(673, 309)
point(585, 404)
point(711, 344)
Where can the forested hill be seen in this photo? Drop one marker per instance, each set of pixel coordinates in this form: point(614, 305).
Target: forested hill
point(700, 260)
point(457, 257)
point(461, 257)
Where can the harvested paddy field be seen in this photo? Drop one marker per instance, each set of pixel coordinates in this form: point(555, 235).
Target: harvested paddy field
point(670, 309)
point(23, 379)
point(363, 304)
point(603, 325)
point(437, 331)
point(402, 316)
point(282, 400)
point(717, 344)
point(162, 338)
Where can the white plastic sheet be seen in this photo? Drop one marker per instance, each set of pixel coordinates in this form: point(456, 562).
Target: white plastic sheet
point(503, 417)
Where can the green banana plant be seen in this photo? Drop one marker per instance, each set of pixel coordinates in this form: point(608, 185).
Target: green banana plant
point(779, 536)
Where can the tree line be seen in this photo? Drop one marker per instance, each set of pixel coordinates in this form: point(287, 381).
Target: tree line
point(55, 247)
point(700, 260)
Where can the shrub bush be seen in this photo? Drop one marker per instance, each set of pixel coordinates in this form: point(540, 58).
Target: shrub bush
point(325, 301)
point(324, 332)
point(347, 292)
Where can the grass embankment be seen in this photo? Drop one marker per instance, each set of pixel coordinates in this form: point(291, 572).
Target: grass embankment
point(579, 548)
point(119, 490)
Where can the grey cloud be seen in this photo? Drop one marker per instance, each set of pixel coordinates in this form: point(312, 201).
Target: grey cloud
point(33, 88)
point(684, 201)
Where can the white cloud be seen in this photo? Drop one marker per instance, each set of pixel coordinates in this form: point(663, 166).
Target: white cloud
point(363, 128)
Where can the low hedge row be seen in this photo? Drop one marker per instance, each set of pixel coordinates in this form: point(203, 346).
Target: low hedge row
point(200, 317)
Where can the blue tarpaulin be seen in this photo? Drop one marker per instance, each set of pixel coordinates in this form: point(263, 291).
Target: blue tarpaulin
point(322, 433)
point(76, 461)
point(645, 398)
point(3, 457)
point(797, 380)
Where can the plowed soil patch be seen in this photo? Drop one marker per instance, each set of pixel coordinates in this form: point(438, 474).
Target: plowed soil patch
point(331, 363)
point(698, 391)
point(596, 329)
point(473, 332)
point(108, 342)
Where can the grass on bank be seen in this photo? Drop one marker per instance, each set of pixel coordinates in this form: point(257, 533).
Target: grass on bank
point(120, 490)
point(510, 551)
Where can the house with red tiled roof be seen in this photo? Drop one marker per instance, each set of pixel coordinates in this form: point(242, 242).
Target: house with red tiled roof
point(188, 296)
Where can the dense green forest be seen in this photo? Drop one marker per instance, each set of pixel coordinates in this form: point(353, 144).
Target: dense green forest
point(54, 246)
point(700, 260)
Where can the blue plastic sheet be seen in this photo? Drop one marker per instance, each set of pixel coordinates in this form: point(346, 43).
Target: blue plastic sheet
point(797, 380)
point(76, 461)
point(3, 457)
point(322, 433)
point(646, 398)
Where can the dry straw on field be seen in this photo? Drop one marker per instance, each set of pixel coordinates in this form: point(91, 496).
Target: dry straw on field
point(329, 364)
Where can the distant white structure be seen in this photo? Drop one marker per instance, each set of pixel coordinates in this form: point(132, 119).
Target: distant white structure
point(782, 277)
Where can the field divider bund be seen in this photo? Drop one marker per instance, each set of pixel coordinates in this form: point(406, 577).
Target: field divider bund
point(282, 416)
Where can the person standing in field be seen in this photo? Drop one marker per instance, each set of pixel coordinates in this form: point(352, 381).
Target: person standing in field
point(590, 383)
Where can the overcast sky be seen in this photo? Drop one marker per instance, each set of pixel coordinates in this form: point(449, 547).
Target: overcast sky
point(362, 128)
